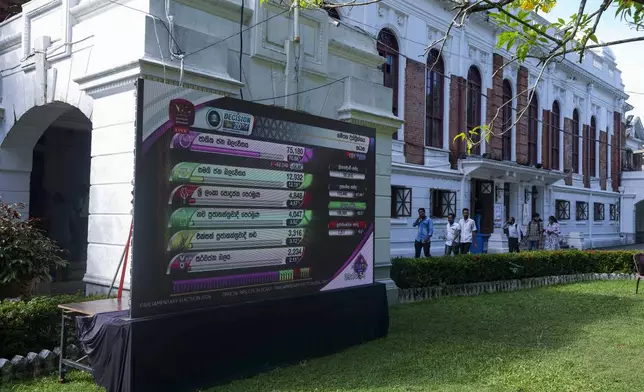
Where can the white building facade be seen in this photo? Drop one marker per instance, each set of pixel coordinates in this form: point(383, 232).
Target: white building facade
point(67, 106)
point(67, 112)
point(633, 171)
point(561, 158)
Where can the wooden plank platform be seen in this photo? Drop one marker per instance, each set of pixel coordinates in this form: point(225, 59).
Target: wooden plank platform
point(91, 308)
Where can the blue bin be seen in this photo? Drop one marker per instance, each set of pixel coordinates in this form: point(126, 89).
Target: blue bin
point(481, 244)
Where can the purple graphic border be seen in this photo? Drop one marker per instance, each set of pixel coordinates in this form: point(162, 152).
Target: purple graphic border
point(355, 252)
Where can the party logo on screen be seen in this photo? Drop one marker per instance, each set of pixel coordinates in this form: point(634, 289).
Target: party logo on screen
point(182, 115)
point(230, 122)
point(359, 268)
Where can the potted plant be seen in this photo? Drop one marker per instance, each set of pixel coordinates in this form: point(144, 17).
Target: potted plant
point(27, 255)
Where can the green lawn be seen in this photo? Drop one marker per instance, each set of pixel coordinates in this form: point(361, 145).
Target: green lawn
point(582, 337)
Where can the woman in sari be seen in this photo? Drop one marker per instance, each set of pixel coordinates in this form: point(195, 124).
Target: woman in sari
point(552, 232)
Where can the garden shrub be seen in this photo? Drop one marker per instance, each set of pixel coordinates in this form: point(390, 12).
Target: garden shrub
point(442, 271)
point(34, 324)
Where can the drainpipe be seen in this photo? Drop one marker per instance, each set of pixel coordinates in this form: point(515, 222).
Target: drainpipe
point(293, 61)
point(296, 21)
point(463, 192)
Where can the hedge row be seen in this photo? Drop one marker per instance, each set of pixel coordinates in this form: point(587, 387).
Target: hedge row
point(443, 271)
point(34, 324)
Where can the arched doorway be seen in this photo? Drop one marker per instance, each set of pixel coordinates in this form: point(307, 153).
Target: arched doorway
point(49, 149)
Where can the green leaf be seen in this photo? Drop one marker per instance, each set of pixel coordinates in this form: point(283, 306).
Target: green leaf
point(593, 38)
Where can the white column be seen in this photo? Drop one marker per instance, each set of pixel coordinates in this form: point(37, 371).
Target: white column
point(15, 177)
point(498, 242)
point(112, 170)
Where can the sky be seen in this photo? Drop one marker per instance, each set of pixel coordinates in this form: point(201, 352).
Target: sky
point(630, 57)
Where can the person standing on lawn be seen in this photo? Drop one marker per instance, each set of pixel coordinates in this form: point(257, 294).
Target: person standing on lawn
point(552, 232)
point(535, 232)
point(452, 233)
point(468, 232)
point(424, 234)
point(511, 227)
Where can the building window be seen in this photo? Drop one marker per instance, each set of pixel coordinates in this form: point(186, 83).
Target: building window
point(400, 202)
point(575, 141)
point(554, 136)
point(435, 100)
point(507, 121)
point(614, 213)
point(388, 48)
point(582, 211)
point(533, 130)
point(637, 162)
point(474, 107)
point(592, 152)
point(627, 164)
point(598, 211)
point(443, 203)
point(562, 209)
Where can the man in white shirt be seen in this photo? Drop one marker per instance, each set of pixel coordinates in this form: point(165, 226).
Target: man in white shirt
point(451, 236)
point(468, 232)
point(511, 229)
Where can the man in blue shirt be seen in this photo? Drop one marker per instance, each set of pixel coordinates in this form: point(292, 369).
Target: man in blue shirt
point(425, 232)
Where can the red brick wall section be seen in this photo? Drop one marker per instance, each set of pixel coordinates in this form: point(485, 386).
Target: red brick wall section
point(568, 149)
point(494, 118)
point(522, 124)
point(414, 112)
point(603, 159)
point(545, 140)
point(456, 117)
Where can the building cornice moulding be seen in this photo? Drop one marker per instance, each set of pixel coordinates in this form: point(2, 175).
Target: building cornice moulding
point(384, 123)
point(227, 9)
point(405, 168)
point(10, 41)
point(106, 82)
point(583, 191)
point(432, 20)
point(87, 8)
point(344, 50)
point(570, 67)
point(123, 77)
point(194, 78)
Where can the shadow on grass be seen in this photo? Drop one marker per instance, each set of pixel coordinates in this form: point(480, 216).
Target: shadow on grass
point(454, 341)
